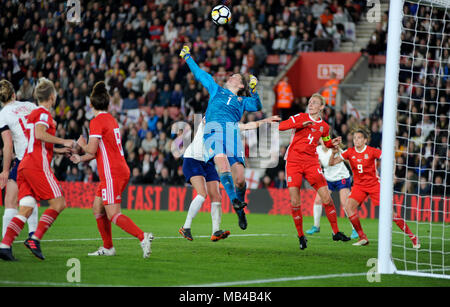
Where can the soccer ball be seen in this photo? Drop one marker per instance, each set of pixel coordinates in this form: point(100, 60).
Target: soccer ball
point(221, 15)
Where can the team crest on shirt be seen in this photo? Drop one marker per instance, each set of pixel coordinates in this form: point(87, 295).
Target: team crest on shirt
point(366, 156)
point(321, 129)
point(289, 179)
point(240, 99)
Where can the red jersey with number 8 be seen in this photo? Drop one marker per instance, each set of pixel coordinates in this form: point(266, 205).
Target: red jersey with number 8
point(363, 165)
point(110, 157)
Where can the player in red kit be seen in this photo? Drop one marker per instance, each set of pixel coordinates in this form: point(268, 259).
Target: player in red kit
point(35, 179)
point(105, 146)
point(302, 161)
point(363, 159)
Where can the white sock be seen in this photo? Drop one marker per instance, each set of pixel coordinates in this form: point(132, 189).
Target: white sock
point(194, 208)
point(20, 217)
point(8, 215)
point(33, 220)
point(216, 216)
point(317, 214)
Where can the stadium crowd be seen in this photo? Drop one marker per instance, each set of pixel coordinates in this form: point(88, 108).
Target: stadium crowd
point(422, 149)
point(134, 46)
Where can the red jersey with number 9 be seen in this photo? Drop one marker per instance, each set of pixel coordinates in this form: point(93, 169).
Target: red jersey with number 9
point(304, 140)
point(363, 165)
point(110, 157)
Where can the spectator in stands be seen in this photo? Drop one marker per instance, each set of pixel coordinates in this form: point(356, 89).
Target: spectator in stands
point(280, 181)
point(375, 136)
point(163, 177)
point(25, 92)
point(73, 174)
point(318, 8)
point(116, 38)
point(130, 102)
point(136, 176)
point(89, 175)
point(265, 182)
point(149, 142)
point(284, 98)
point(330, 89)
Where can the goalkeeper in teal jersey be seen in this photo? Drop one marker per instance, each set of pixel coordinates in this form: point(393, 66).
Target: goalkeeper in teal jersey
point(222, 139)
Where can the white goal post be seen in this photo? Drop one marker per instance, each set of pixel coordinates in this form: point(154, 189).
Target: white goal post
point(433, 258)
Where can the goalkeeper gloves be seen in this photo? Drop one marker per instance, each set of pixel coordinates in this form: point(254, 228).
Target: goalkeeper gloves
point(252, 84)
point(185, 53)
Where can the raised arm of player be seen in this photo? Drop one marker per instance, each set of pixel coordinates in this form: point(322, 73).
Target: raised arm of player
point(294, 123)
point(200, 75)
point(336, 157)
point(255, 125)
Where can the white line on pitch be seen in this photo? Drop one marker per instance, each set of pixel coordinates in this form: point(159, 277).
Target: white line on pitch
point(55, 284)
point(275, 280)
point(222, 284)
point(170, 237)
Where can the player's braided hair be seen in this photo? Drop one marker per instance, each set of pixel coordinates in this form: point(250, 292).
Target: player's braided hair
point(100, 97)
point(6, 91)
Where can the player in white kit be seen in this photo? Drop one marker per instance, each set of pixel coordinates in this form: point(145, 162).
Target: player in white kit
point(13, 121)
point(338, 179)
point(205, 180)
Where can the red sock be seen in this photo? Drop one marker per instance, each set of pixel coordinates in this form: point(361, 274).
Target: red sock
point(298, 220)
point(354, 219)
point(104, 227)
point(330, 211)
point(14, 228)
point(128, 225)
point(403, 226)
point(47, 219)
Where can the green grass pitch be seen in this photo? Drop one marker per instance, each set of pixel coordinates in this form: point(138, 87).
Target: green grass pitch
point(264, 255)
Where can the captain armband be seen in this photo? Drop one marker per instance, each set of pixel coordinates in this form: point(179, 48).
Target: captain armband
point(326, 139)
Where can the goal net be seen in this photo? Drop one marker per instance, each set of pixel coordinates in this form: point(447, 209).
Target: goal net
point(416, 126)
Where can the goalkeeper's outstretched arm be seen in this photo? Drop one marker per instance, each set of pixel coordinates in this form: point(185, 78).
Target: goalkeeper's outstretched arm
point(202, 76)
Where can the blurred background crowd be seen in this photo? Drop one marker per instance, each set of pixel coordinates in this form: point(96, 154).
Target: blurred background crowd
point(134, 46)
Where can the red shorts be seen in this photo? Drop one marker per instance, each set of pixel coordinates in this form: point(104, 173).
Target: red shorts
point(311, 170)
point(111, 190)
point(360, 193)
point(40, 184)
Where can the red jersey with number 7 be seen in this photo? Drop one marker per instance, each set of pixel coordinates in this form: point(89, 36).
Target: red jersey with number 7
point(110, 157)
point(304, 140)
point(39, 154)
point(363, 165)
